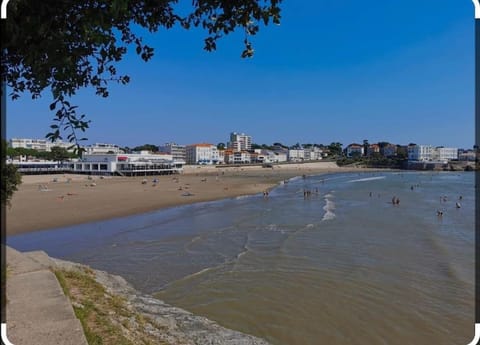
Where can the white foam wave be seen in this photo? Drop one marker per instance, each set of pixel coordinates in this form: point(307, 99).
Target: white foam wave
point(368, 179)
point(329, 208)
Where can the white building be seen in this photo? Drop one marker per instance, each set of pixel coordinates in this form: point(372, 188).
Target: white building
point(39, 144)
point(127, 164)
point(237, 157)
point(100, 148)
point(266, 156)
point(466, 155)
point(240, 142)
point(281, 155)
point(313, 153)
point(447, 153)
point(178, 152)
point(204, 154)
point(420, 153)
point(296, 155)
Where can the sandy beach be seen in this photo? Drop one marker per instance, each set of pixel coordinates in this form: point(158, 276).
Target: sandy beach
point(50, 201)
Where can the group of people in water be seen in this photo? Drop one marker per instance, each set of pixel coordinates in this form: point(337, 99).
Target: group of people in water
point(308, 193)
point(443, 199)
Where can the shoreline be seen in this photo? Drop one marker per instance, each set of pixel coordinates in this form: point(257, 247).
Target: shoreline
point(46, 202)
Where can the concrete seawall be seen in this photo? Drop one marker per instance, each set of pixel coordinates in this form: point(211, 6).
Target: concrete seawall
point(39, 313)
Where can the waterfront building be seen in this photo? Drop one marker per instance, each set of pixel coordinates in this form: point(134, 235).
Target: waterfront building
point(466, 155)
point(221, 156)
point(178, 152)
point(296, 155)
point(281, 155)
point(101, 148)
point(38, 166)
point(237, 157)
point(266, 156)
point(353, 150)
point(204, 154)
point(373, 149)
point(447, 153)
point(313, 153)
point(420, 153)
point(240, 142)
point(132, 164)
point(39, 144)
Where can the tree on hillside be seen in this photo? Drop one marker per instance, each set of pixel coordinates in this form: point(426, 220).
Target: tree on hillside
point(221, 146)
point(62, 46)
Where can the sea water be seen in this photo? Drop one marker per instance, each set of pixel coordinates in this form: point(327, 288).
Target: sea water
point(323, 260)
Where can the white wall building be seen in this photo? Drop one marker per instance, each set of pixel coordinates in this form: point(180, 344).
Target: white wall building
point(447, 153)
point(38, 144)
point(101, 148)
point(266, 156)
point(240, 142)
point(296, 155)
point(178, 152)
point(313, 153)
point(281, 155)
point(204, 154)
point(420, 153)
point(127, 164)
point(237, 157)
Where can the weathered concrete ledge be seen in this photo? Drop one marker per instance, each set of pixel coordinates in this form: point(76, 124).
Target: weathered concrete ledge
point(168, 324)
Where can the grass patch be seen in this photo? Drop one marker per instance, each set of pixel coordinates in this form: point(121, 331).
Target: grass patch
point(107, 319)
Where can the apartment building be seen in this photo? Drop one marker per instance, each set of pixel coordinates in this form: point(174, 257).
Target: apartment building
point(447, 153)
point(240, 142)
point(204, 154)
point(296, 155)
point(101, 148)
point(39, 144)
point(429, 153)
point(178, 152)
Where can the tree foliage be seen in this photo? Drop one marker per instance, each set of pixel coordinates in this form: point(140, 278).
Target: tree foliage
point(66, 45)
point(335, 149)
point(10, 177)
point(146, 147)
point(57, 153)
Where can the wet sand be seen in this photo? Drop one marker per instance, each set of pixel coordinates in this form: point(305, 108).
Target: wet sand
point(41, 203)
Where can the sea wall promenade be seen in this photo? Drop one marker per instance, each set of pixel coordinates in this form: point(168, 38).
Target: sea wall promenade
point(39, 312)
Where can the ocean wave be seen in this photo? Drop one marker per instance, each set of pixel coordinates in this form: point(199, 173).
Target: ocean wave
point(368, 179)
point(329, 216)
point(329, 208)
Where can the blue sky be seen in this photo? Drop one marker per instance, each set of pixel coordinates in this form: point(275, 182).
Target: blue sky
point(394, 70)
